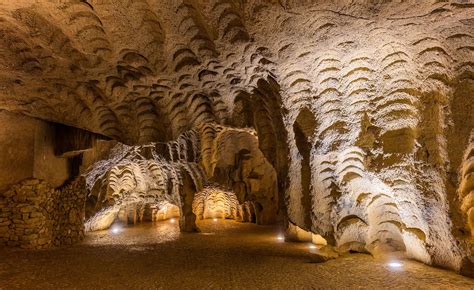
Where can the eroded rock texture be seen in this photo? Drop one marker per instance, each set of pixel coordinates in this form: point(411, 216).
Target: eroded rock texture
point(214, 202)
point(466, 189)
point(350, 119)
point(137, 179)
point(232, 158)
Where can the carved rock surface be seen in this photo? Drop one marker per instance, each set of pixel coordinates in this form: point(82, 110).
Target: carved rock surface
point(352, 120)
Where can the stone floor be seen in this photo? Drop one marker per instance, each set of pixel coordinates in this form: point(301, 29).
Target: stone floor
point(225, 255)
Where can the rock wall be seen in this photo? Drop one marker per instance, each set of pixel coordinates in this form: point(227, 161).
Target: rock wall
point(232, 157)
point(215, 202)
point(34, 215)
point(131, 179)
point(466, 188)
point(125, 182)
point(27, 151)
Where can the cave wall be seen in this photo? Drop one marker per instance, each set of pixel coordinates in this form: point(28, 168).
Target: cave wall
point(40, 205)
point(384, 166)
point(123, 180)
point(235, 160)
point(216, 202)
point(27, 151)
point(466, 188)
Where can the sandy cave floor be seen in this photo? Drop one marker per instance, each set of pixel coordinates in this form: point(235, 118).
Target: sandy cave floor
point(226, 254)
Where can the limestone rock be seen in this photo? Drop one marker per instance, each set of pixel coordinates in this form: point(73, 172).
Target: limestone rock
point(350, 119)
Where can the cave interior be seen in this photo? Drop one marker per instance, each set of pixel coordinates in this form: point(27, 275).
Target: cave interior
point(348, 124)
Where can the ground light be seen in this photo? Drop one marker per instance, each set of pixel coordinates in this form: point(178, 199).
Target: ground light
point(395, 265)
point(116, 229)
point(172, 221)
point(215, 220)
point(281, 238)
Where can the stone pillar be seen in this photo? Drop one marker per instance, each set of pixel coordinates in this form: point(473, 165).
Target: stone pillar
point(147, 213)
point(122, 216)
point(239, 213)
point(187, 221)
point(132, 215)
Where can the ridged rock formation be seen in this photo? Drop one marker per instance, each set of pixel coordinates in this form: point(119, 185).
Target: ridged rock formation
point(466, 189)
point(135, 177)
point(214, 202)
point(153, 176)
point(232, 158)
point(351, 120)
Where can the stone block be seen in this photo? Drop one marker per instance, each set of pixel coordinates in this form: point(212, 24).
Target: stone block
point(27, 209)
point(13, 243)
point(5, 223)
point(43, 241)
point(29, 237)
point(33, 221)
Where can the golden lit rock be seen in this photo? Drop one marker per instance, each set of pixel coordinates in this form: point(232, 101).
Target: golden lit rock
point(349, 124)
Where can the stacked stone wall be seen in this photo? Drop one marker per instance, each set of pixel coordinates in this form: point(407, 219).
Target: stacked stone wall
point(34, 215)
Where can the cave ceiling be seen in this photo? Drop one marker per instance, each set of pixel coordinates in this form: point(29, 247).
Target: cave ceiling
point(148, 70)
